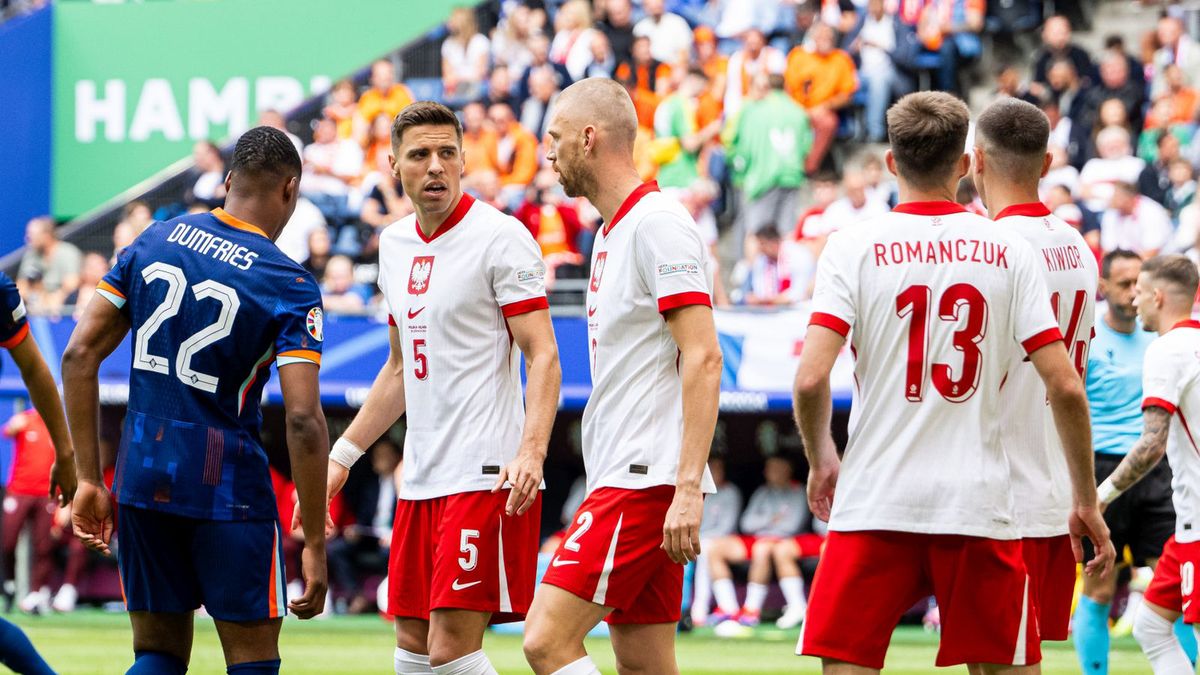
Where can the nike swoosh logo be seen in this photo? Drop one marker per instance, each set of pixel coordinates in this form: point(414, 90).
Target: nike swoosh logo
point(458, 587)
point(413, 315)
point(591, 311)
point(559, 562)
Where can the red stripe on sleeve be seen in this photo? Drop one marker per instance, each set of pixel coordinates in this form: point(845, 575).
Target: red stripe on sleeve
point(391, 320)
point(1046, 337)
point(1159, 402)
point(524, 306)
point(683, 300)
point(833, 323)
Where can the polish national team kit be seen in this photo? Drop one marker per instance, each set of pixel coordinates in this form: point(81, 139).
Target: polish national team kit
point(1171, 381)
point(647, 261)
point(936, 302)
point(1041, 481)
point(450, 296)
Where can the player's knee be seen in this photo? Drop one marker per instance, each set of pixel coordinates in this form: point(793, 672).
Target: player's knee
point(538, 645)
point(762, 550)
point(1151, 630)
point(409, 641)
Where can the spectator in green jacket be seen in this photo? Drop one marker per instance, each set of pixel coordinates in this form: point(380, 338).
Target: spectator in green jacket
point(677, 139)
point(768, 142)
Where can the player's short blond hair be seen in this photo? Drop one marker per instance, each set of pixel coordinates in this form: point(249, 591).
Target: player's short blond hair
point(928, 132)
point(1175, 269)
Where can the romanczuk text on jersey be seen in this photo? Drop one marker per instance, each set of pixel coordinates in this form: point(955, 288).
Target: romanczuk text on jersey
point(211, 303)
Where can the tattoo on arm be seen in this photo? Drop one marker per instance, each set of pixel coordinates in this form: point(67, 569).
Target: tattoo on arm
point(1148, 450)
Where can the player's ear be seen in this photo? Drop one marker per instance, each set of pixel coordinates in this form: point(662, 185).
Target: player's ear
point(1046, 162)
point(964, 164)
point(291, 189)
point(977, 159)
point(890, 161)
point(228, 181)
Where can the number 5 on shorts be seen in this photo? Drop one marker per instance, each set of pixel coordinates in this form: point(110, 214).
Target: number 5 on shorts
point(464, 544)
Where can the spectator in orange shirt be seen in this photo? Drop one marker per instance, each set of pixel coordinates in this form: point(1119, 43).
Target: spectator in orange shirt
point(553, 222)
point(645, 76)
point(714, 65)
point(1183, 101)
point(28, 493)
point(756, 57)
point(823, 81)
point(343, 108)
point(479, 140)
point(516, 153)
point(386, 96)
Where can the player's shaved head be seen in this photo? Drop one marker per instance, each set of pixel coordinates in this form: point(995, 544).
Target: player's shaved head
point(1013, 135)
point(928, 132)
point(603, 103)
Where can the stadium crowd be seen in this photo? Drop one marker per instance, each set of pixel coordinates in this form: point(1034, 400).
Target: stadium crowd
point(761, 117)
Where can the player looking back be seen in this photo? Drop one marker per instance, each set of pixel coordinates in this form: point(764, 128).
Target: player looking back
point(939, 301)
point(1010, 159)
point(463, 283)
point(211, 302)
point(648, 425)
point(1166, 291)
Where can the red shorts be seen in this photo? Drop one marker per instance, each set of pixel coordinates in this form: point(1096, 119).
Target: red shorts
point(749, 540)
point(869, 579)
point(809, 544)
point(461, 552)
point(1174, 584)
point(1051, 565)
point(612, 556)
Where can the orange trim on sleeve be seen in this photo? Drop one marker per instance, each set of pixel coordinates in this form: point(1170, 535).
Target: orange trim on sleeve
point(22, 333)
point(105, 286)
point(308, 354)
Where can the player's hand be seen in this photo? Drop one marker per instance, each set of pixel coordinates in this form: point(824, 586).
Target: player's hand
point(296, 529)
point(524, 473)
point(822, 480)
point(1087, 522)
point(91, 516)
point(681, 528)
point(63, 482)
point(316, 584)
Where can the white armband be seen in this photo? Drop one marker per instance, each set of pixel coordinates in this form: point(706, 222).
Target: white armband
point(345, 452)
point(1107, 492)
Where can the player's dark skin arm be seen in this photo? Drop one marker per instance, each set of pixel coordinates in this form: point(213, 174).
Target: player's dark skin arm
point(97, 334)
point(43, 392)
point(534, 334)
point(1147, 452)
point(308, 447)
point(812, 405)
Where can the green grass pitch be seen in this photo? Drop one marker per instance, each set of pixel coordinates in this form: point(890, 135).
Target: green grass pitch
point(94, 642)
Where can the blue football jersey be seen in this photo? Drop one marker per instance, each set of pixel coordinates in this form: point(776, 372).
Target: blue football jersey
point(211, 302)
point(13, 324)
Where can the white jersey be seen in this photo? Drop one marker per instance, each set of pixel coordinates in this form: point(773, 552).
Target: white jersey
point(648, 260)
point(938, 299)
point(1040, 479)
point(1171, 381)
point(450, 296)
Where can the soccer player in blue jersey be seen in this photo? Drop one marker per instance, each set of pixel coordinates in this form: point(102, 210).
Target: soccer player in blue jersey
point(1143, 518)
point(16, 651)
point(211, 302)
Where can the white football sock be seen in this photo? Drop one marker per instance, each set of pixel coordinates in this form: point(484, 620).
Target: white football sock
point(726, 595)
point(408, 663)
point(1156, 635)
point(475, 663)
point(756, 594)
point(583, 666)
point(702, 598)
point(793, 591)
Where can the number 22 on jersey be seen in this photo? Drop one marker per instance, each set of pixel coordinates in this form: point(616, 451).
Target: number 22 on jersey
point(176, 283)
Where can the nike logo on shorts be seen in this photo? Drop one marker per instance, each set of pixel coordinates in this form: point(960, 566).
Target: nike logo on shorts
point(458, 587)
point(559, 562)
